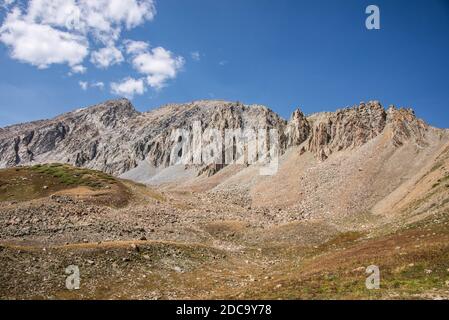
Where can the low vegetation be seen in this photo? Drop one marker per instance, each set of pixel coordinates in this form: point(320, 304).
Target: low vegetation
point(28, 183)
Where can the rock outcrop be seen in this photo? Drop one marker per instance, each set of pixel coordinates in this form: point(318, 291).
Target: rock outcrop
point(347, 128)
point(298, 129)
point(406, 126)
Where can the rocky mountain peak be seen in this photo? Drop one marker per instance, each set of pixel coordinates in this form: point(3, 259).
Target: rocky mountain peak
point(346, 128)
point(109, 112)
point(298, 129)
point(406, 126)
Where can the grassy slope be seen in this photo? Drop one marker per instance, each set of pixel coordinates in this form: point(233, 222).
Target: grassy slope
point(40, 181)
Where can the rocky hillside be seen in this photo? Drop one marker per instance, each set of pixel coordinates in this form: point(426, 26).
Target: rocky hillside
point(354, 187)
point(113, 137)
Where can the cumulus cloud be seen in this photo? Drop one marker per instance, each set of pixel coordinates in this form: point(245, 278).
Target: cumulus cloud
point(158, 65)
point(136, 47)
point(47, 32)
point(78, 69)
point(106, 57)
point(61, 31)
point(104, 19)
point(41, 45)
point(128, 87)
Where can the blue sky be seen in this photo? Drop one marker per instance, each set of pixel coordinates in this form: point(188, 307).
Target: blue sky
point(316, 55)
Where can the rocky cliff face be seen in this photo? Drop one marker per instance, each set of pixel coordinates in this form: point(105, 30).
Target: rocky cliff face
point(406, 126)
point(86, 137)
point(114, 137)
point(298, 129)
point(347, 128)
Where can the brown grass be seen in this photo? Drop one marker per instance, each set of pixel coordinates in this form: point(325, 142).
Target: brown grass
point(29, 183)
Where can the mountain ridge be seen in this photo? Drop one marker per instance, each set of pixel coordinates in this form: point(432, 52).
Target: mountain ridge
point(114, 137)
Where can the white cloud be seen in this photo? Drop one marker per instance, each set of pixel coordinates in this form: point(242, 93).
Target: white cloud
point(79, 69)
point(106, 57)
point(136, 47)
point(128, 87)
point(86, 85)
point(132, 12)
point(223, 63)
point(46, 32)
point(56, 13)
point(104, 19)
point(83, 85)
point(99, 85)
point(195, 55)
point(41, 45)
point(158, 64)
